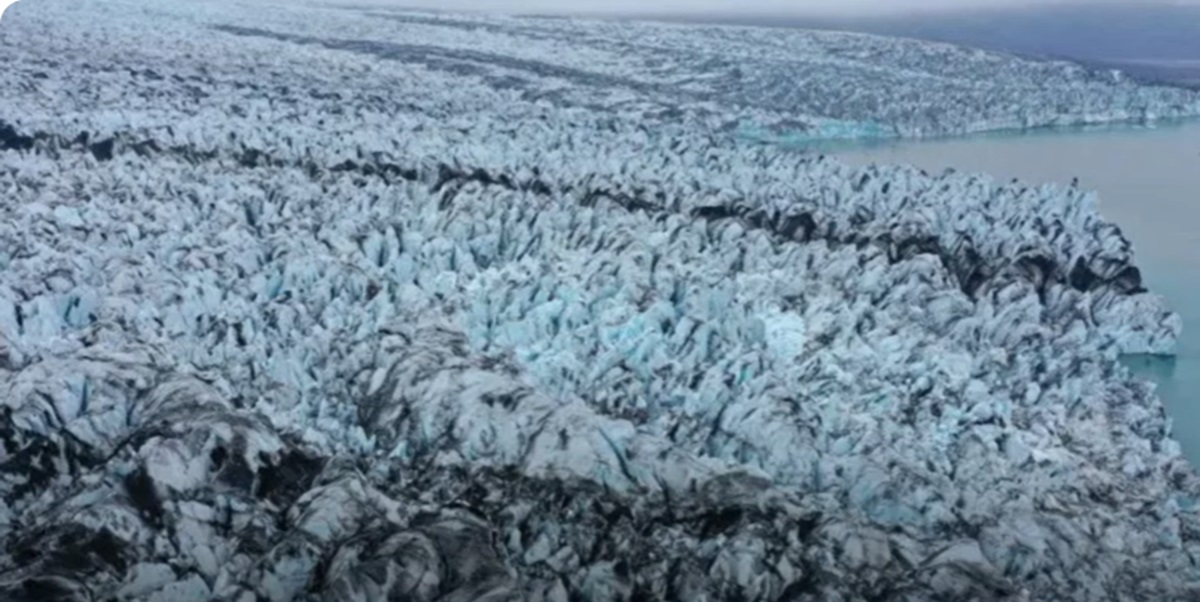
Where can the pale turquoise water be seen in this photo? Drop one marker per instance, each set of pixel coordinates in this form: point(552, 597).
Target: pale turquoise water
point(1148, 180)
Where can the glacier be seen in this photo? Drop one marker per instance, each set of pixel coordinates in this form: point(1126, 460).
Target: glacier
point(302, 312)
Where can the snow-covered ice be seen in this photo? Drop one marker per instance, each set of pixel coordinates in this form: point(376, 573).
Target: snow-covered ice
point(296, 311)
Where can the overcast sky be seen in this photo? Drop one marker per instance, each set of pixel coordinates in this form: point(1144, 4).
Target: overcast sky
point(728, 6)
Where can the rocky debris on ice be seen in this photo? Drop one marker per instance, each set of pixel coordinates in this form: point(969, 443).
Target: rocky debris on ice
point(292, 330)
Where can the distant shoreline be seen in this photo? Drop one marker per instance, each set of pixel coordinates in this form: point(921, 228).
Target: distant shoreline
point(1150, 43)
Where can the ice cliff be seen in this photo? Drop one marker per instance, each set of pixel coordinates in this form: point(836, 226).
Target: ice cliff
point(285, 316)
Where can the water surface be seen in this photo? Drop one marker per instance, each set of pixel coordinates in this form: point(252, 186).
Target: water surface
point(1148, 180)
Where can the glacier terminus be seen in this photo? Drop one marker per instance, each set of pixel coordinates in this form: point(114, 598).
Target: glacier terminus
point(348, 303)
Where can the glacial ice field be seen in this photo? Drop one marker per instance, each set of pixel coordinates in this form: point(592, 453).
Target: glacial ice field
point(319, 303)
